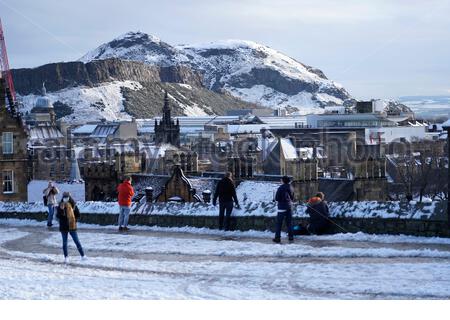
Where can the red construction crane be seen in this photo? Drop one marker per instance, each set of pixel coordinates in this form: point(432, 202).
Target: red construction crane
point(5, 71)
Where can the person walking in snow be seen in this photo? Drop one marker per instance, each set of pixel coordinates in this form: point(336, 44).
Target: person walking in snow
point(284, 197)
point(319, 216)
point(226, 192)
point(126, 193)
point(68, 214)
point(50, 201)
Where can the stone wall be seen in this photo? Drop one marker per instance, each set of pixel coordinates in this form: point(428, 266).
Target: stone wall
point(417, 223)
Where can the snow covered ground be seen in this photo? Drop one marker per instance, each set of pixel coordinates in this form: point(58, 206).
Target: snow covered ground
point(188, 263)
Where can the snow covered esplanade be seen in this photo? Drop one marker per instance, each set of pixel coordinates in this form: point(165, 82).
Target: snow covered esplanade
point(425, 219)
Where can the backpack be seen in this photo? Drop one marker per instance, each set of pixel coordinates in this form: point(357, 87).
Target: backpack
point(300, 230)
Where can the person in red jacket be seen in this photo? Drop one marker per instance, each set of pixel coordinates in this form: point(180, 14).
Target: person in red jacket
point(126, 192)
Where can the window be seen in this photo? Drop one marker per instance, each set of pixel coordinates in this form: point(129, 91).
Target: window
point(8, 181)
point(7, 143)
point(52, 170)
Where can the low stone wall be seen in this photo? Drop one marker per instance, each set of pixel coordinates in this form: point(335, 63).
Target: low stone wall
point(417, 227)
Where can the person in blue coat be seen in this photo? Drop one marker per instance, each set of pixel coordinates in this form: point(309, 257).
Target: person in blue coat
point(284, 198)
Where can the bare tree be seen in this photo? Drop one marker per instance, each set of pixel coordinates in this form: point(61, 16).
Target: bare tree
point(407, 168)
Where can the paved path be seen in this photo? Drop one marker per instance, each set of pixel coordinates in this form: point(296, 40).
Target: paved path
point(228, 276)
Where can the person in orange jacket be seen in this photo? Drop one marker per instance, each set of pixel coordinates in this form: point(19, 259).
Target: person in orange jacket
point(126, 193)
point(319, 214)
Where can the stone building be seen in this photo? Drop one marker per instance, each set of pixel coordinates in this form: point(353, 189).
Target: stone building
point(105, 133)
point(103, 170)
point(14, 164)
point(167, 131)
point(370, 181)
point(242, 167)
point(101, 180)
point(277, 154)
point(304, 173)
point(50, 162)
point(186, 160)
point(178, 188)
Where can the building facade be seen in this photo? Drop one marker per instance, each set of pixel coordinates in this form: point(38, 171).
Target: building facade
point(14, 168)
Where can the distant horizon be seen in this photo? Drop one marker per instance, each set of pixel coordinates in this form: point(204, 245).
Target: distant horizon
point(375, 49)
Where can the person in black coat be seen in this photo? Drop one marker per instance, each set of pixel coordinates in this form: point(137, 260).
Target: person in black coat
point(319, 215)
point(226, 192)
point(284, 197)
point(68, 214)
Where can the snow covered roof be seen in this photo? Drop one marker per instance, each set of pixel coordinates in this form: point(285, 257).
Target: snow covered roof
point(85, 129)
point(257, 191)
point(284, 122)
point(288, 149)
point(157, 182)
point(104, 130)
point(306, 153)
point(45, 132)
point(446, 124)
point(202, 184)
point(246, 128)
point(143, 181)
point(156, 151)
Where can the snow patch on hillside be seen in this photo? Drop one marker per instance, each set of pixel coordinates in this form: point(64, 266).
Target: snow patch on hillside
point(268, 97)
point(103, 101)
point(252, 55)
point(193, 110)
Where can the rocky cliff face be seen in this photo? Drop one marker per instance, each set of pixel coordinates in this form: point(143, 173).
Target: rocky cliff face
point(59, 76)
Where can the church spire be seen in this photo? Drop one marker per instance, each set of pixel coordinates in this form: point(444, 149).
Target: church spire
point(167, 131)
point(166, 100)
point(167, 118)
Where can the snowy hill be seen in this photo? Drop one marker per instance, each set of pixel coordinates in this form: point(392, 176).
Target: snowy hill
point(245, 69)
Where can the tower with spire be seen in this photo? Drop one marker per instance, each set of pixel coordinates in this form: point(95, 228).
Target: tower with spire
point(167, 130)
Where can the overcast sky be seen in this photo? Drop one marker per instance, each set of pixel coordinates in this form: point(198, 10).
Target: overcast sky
point(375, 48)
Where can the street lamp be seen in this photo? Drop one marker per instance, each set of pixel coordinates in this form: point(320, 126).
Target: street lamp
point(446, 127)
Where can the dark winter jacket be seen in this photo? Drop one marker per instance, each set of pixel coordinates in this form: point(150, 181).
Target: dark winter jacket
point(318, 214)
point(284, 197)
point(62, 215)
point(225, 191)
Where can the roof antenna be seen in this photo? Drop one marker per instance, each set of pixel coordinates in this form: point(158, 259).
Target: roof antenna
point(44, 91)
